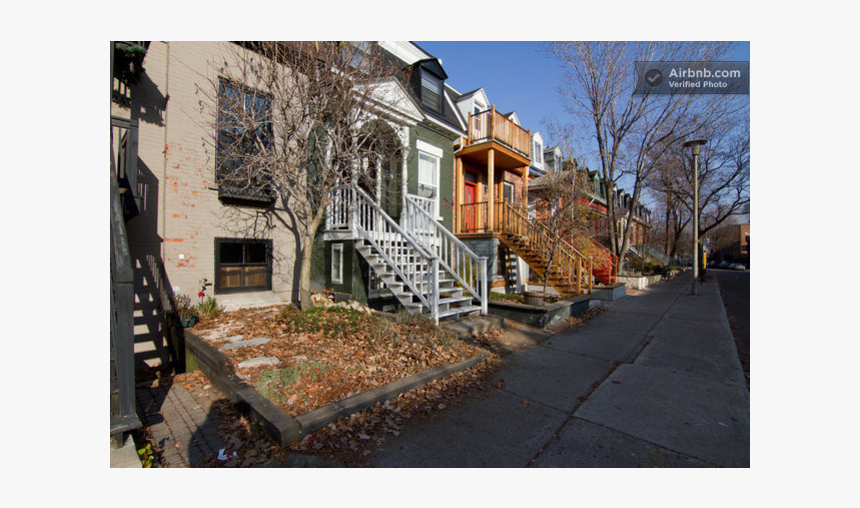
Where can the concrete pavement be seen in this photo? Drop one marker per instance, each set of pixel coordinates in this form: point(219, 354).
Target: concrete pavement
point(654, 381)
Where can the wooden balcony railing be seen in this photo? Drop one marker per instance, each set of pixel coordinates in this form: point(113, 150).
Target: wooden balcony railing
point(473, 218)
point(492, 125)
point(571, 269)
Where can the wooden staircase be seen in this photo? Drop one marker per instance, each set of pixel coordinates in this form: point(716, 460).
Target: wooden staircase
point(571, 272)
point(605, 267)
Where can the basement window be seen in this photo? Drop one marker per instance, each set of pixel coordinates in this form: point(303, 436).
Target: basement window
point(242, 265)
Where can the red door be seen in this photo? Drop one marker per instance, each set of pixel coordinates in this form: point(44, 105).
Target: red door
point(470, 212)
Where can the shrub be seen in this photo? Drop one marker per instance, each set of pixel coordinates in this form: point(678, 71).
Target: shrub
point(336, 321)
point(208, 308)
point(184, 309)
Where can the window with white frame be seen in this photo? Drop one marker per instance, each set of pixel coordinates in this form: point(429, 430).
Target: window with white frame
point(537, 156)
point(428, 176)
point(337, 263)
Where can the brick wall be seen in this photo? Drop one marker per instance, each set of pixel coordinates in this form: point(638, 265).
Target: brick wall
point(183, 214)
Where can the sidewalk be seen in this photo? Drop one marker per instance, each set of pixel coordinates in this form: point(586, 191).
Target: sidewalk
point(654, 381)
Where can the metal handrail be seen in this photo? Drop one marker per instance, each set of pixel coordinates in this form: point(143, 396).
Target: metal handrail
point(454, 255)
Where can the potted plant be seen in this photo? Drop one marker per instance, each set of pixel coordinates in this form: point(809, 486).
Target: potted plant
point(187, 313)
point(533, 297)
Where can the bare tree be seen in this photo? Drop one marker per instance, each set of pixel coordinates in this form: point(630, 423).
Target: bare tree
point(633, 132)
point(673, 216)
point(560, 211)
point(724, 175)
point(292, 120)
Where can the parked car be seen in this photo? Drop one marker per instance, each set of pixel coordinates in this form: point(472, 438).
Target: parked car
point(737, 266)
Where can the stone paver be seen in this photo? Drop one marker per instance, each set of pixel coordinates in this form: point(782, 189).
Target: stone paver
point(245, 343)
point(260, 361)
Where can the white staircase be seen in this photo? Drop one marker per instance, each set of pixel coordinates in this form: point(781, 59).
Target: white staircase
point(425, 267)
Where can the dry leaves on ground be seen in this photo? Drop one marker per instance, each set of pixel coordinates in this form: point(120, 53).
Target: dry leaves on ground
point(586, 316)
point(329, 354)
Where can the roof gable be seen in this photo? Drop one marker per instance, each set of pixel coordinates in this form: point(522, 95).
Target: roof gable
point(391, 95)
point(433, 65)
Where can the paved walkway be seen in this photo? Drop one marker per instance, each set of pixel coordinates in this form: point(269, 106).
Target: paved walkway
point(190, 421)
point(653, 381)
point(182, 423)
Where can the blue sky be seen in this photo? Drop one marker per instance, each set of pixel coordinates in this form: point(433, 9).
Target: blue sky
point(518, 76)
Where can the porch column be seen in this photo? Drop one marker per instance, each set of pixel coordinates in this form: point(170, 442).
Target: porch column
point(526, 189)
point(459, 191)
point(491, 155)
point(404, 178)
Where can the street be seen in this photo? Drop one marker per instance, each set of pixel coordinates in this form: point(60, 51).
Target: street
point(735, 290)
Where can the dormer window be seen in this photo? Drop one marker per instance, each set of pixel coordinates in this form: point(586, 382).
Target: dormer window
point(537, 157)
point(431, 90)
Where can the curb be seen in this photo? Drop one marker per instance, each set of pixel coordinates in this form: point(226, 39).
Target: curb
point(286, 429)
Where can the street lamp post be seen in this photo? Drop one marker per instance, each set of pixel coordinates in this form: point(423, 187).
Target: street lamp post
point(694, 145)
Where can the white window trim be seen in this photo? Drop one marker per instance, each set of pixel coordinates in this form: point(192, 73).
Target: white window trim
point(337, 250)
point(436, 153)
point(437, 186)
point(428, 148)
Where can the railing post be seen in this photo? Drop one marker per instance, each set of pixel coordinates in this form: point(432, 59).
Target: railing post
point(350, 210)
point(435, 290)
point(578, 275)
point(590, 273)
point(493, 122)
point(485, 297)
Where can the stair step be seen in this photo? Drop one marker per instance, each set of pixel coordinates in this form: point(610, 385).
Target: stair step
point(459, 310)
point(455, 299)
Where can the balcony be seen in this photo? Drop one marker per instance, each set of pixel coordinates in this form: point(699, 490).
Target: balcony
point(491, 129)
point(491, 125)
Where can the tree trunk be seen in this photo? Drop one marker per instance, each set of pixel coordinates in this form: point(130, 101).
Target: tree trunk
point(667, 227)
point(546, 275)
point(307, 247)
